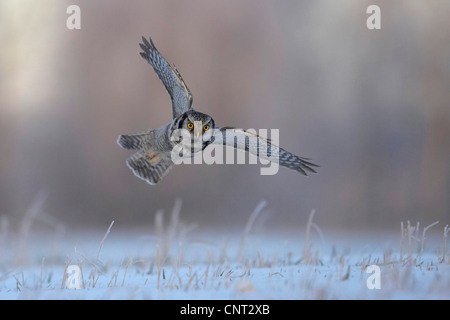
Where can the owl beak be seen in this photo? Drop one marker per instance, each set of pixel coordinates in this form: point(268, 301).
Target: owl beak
point(198, 134)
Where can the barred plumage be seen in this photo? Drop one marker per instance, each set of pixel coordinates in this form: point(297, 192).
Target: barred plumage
point(261, 147)
point(151, 170)
point(134, 141)
point(176, 87)
point(153, 159)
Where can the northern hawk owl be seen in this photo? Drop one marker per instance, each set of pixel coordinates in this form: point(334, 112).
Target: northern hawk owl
point(153, 159)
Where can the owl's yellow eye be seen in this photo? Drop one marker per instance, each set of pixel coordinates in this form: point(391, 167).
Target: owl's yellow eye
point(190, 125)
point(206, 127)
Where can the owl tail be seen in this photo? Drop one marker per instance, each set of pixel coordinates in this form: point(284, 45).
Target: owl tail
point(149, 165)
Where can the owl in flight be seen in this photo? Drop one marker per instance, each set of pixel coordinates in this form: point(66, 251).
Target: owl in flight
point(153, 159)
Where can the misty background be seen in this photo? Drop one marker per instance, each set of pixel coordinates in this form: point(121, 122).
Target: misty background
point(371, 107)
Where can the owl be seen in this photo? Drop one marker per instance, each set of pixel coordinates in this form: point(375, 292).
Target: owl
point(154, 148)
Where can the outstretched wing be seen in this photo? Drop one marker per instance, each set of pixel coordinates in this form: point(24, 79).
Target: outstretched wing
point(179, 93)
point(261, 147)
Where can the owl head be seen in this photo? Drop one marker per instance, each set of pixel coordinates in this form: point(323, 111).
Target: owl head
point(196, 130)
point(198, 124)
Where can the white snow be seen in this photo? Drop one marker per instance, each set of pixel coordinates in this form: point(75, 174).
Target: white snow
point(221, 264)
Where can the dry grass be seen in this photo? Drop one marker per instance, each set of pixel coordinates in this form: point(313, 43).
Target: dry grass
point(180, 266)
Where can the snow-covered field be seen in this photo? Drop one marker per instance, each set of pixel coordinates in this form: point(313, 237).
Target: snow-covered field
point(223, 265)
point(182, 262)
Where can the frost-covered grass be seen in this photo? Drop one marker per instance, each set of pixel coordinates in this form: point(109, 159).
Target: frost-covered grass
point(173, 260)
